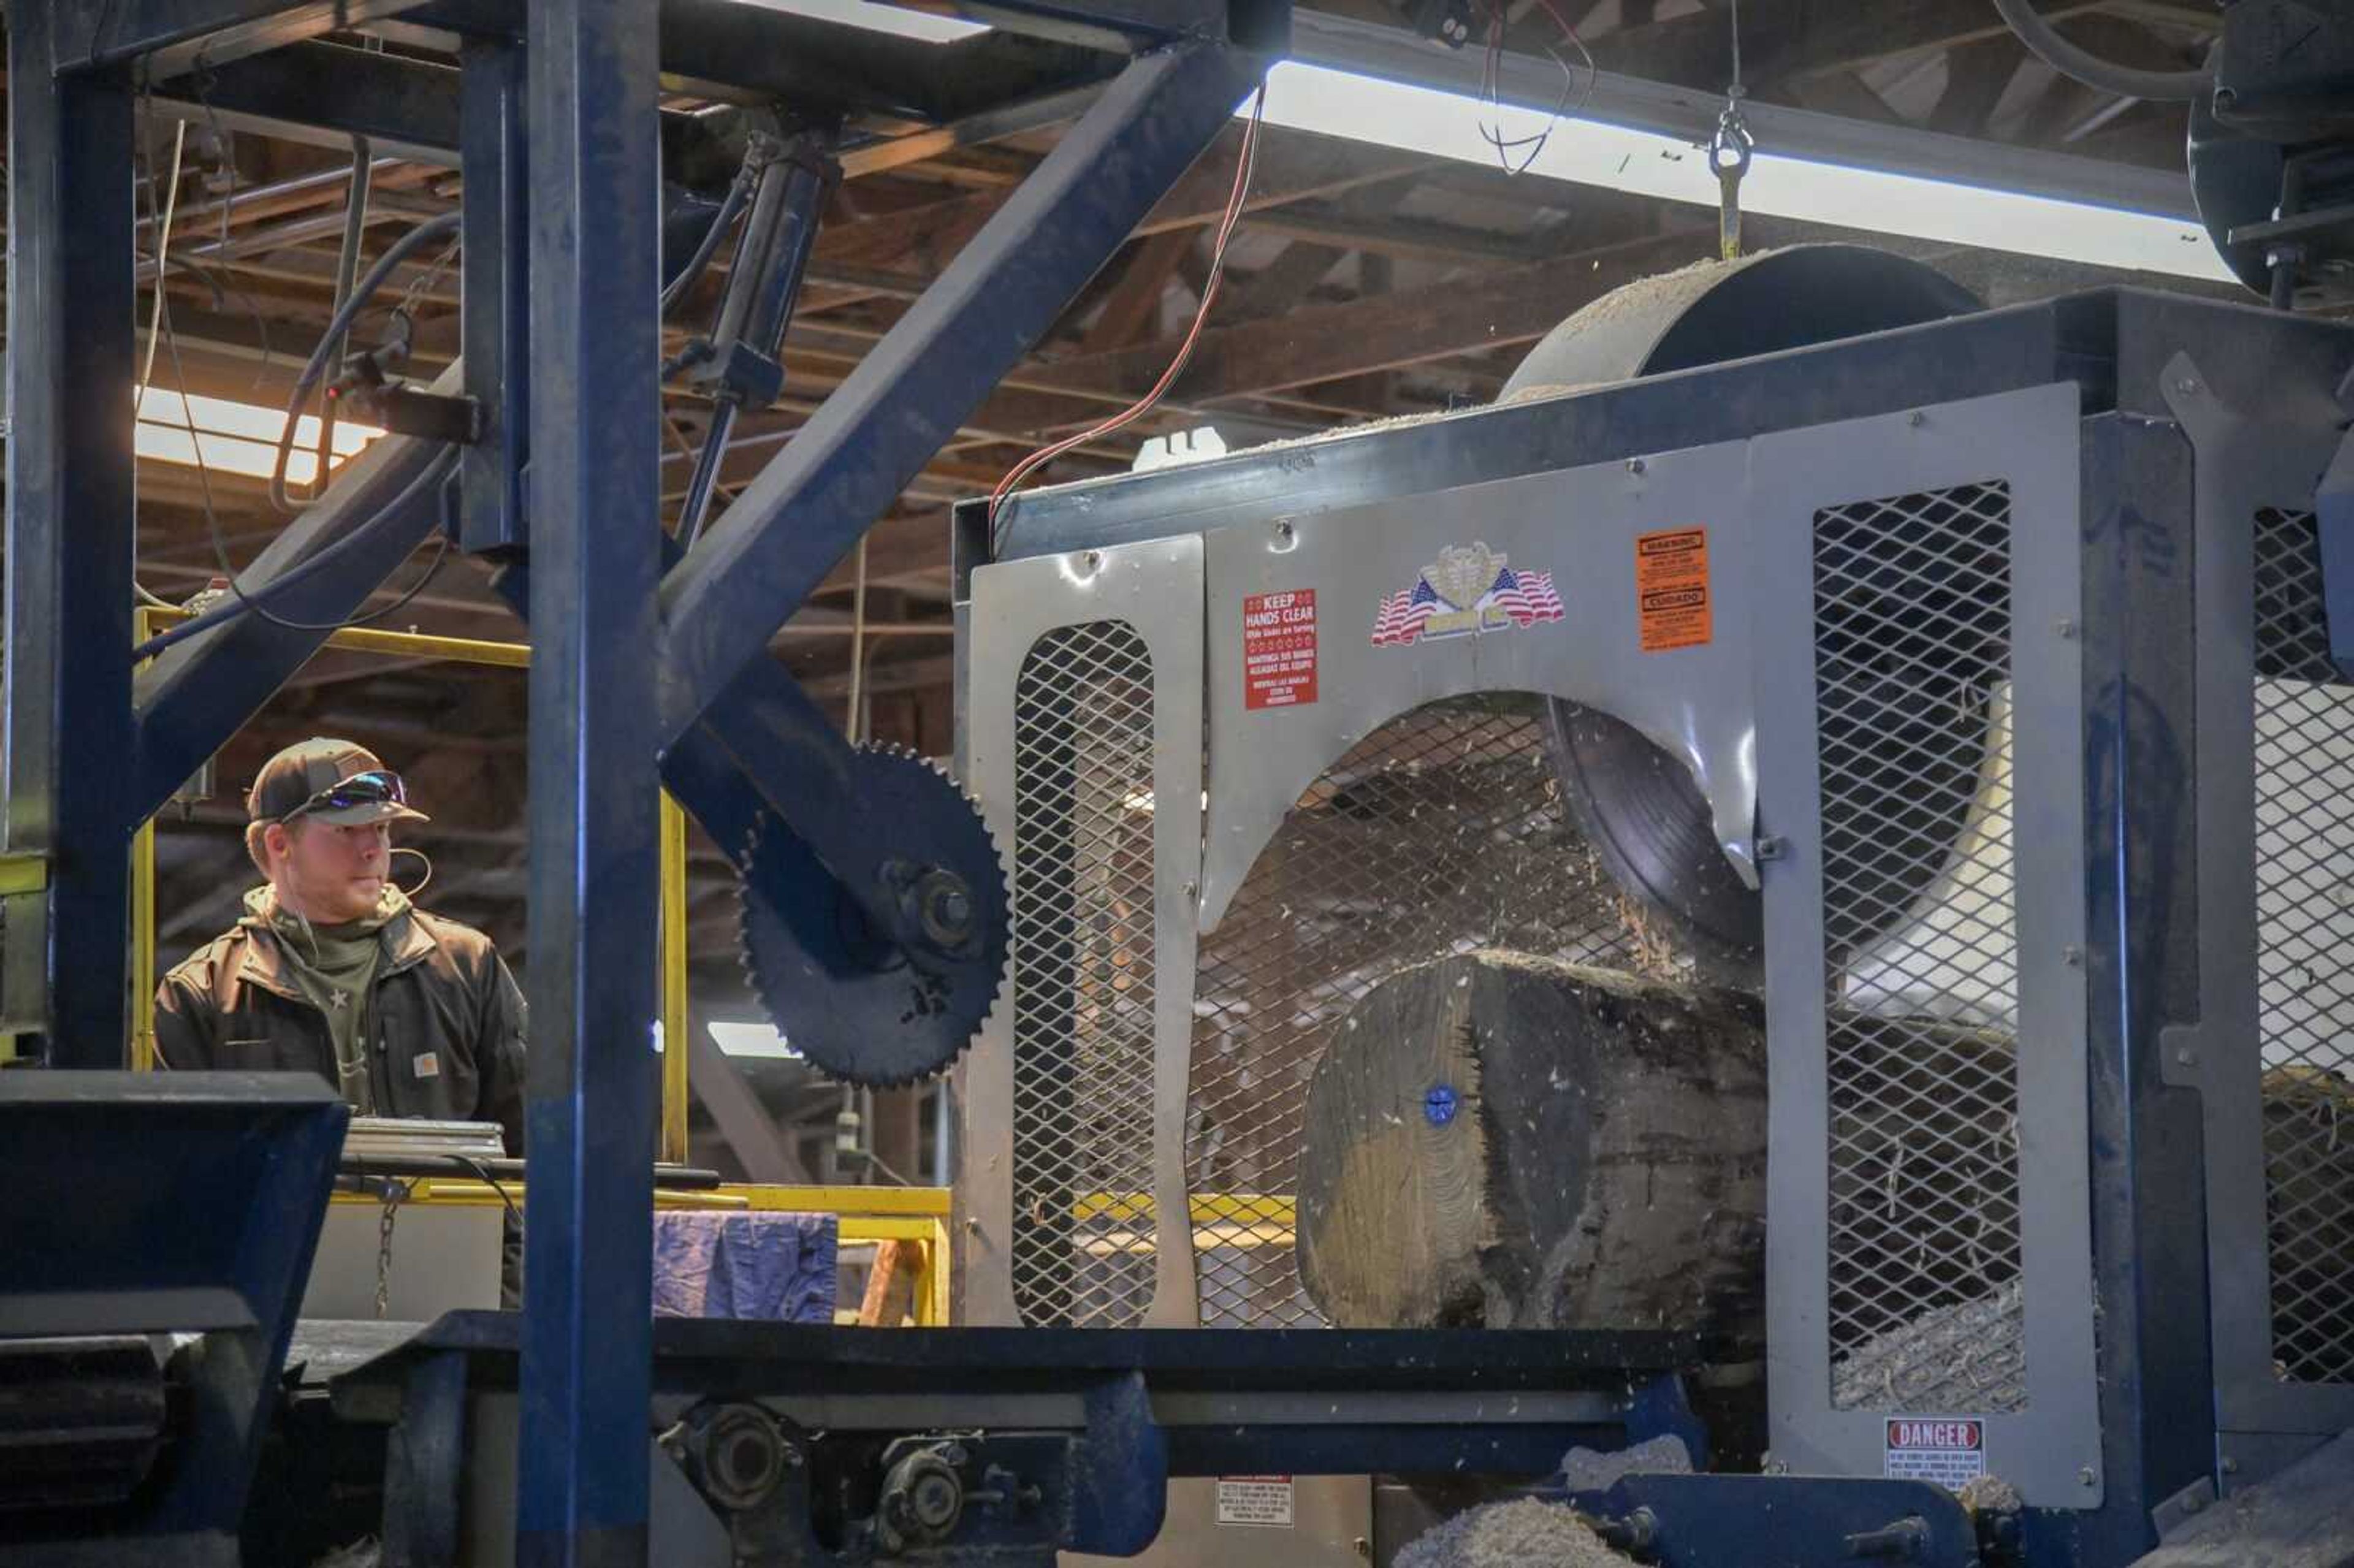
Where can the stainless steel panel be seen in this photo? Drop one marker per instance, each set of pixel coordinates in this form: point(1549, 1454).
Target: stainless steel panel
point(2260, 777)
point(1058, 648)
point(1579, 526)
point(1942, 543)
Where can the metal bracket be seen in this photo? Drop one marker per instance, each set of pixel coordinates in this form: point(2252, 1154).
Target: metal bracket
point(2174, 1513)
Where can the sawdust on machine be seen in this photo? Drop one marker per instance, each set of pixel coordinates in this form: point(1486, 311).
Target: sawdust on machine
point(1525, 1533)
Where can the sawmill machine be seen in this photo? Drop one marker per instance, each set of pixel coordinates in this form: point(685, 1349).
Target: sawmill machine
point(1804, 849)
point(1923, 719)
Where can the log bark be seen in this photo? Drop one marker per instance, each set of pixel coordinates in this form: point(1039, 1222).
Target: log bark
point(1502, 1141)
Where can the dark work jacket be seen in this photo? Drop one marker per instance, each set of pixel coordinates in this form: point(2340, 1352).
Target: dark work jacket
point(446, 1017)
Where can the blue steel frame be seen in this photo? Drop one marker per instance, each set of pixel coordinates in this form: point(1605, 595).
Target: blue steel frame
point(557, 134)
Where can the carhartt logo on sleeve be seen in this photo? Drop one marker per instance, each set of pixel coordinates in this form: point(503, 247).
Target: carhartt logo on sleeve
point(428, 1064)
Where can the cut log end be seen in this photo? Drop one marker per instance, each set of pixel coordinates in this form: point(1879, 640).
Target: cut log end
point(1502, 1141)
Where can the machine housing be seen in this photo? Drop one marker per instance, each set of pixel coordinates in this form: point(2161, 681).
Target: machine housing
point(2005, 683)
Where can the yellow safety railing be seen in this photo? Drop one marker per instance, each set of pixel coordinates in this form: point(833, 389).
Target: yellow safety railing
point(863, 1215)
point(1245, 1220)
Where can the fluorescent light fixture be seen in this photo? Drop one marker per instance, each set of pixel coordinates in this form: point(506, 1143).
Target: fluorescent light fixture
point(1590, 149)
point(236, 437)
point(1336, 102)
point(877, 19)
point(761, 1041)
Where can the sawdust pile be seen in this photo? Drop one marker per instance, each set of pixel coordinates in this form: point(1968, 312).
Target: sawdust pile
point(1525, 1534)
point(1968, 1356)
point(1990, 1494)
point(1595, 1470)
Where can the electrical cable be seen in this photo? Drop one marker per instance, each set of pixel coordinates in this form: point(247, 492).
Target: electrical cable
point(408, 245)
point(347, 266)
point(870, 1157)
point(155, 316)
point(245, 603)
point(857, 722)
point(1244, 164)
point(2043, 40)
point(482, 1173)
point(162, 258)
point(1570, 101)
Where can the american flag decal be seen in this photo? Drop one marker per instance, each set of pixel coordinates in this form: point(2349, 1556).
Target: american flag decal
point(1403, 615)
point(1526, 597)
point(1512, 598)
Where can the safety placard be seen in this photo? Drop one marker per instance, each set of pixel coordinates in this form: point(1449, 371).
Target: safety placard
point(1671, 589)
point(1279, 648)
point(1263, 1501)
point(1952, 1453)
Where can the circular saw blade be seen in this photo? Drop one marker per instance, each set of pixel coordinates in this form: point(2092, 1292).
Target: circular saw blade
point(861, 1006)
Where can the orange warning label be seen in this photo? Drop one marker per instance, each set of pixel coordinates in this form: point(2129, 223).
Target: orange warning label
point(1671, 589)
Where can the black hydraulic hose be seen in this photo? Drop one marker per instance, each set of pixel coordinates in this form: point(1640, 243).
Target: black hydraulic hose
point(402, 248)
point(721, 221)
point(347, 266)
point(2045, 42)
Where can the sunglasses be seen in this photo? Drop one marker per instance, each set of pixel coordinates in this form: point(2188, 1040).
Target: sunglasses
point(375, 788)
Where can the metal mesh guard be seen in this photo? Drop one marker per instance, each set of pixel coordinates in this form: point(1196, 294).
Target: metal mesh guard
point(2305, 956)
point(1083, 979)
point(1441, 831)
point(1911, 668)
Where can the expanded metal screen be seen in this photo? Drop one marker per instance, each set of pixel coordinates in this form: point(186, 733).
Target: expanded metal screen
point(1913, 669)
point(1441, 831)
point(2305, 954)
point(1083, 977)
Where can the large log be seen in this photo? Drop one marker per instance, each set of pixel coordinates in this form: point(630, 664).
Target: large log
point(1501, 1140)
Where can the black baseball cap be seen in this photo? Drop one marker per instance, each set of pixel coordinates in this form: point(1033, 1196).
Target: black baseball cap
point(332, 782)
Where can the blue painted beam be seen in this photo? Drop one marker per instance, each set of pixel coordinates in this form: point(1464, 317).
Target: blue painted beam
point(810, 63)
point(166, 37)
point(590, 1112)
point(324, 94)
point(496, 321)
point(65, 709)
point(803, 512)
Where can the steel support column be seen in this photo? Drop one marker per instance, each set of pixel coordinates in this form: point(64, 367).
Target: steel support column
point(590, 1119)
point(1003, 291)
point(68, 682)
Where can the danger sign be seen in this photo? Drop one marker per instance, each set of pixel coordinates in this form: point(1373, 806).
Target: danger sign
point(1279, 648)
point(1951, 1453)
point(1263, 1502)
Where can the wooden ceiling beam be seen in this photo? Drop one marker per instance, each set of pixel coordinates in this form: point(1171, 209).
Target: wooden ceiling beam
point(1134, 305)
point(1328, 342)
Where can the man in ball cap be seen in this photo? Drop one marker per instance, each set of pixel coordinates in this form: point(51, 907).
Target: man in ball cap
point(332, 970)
